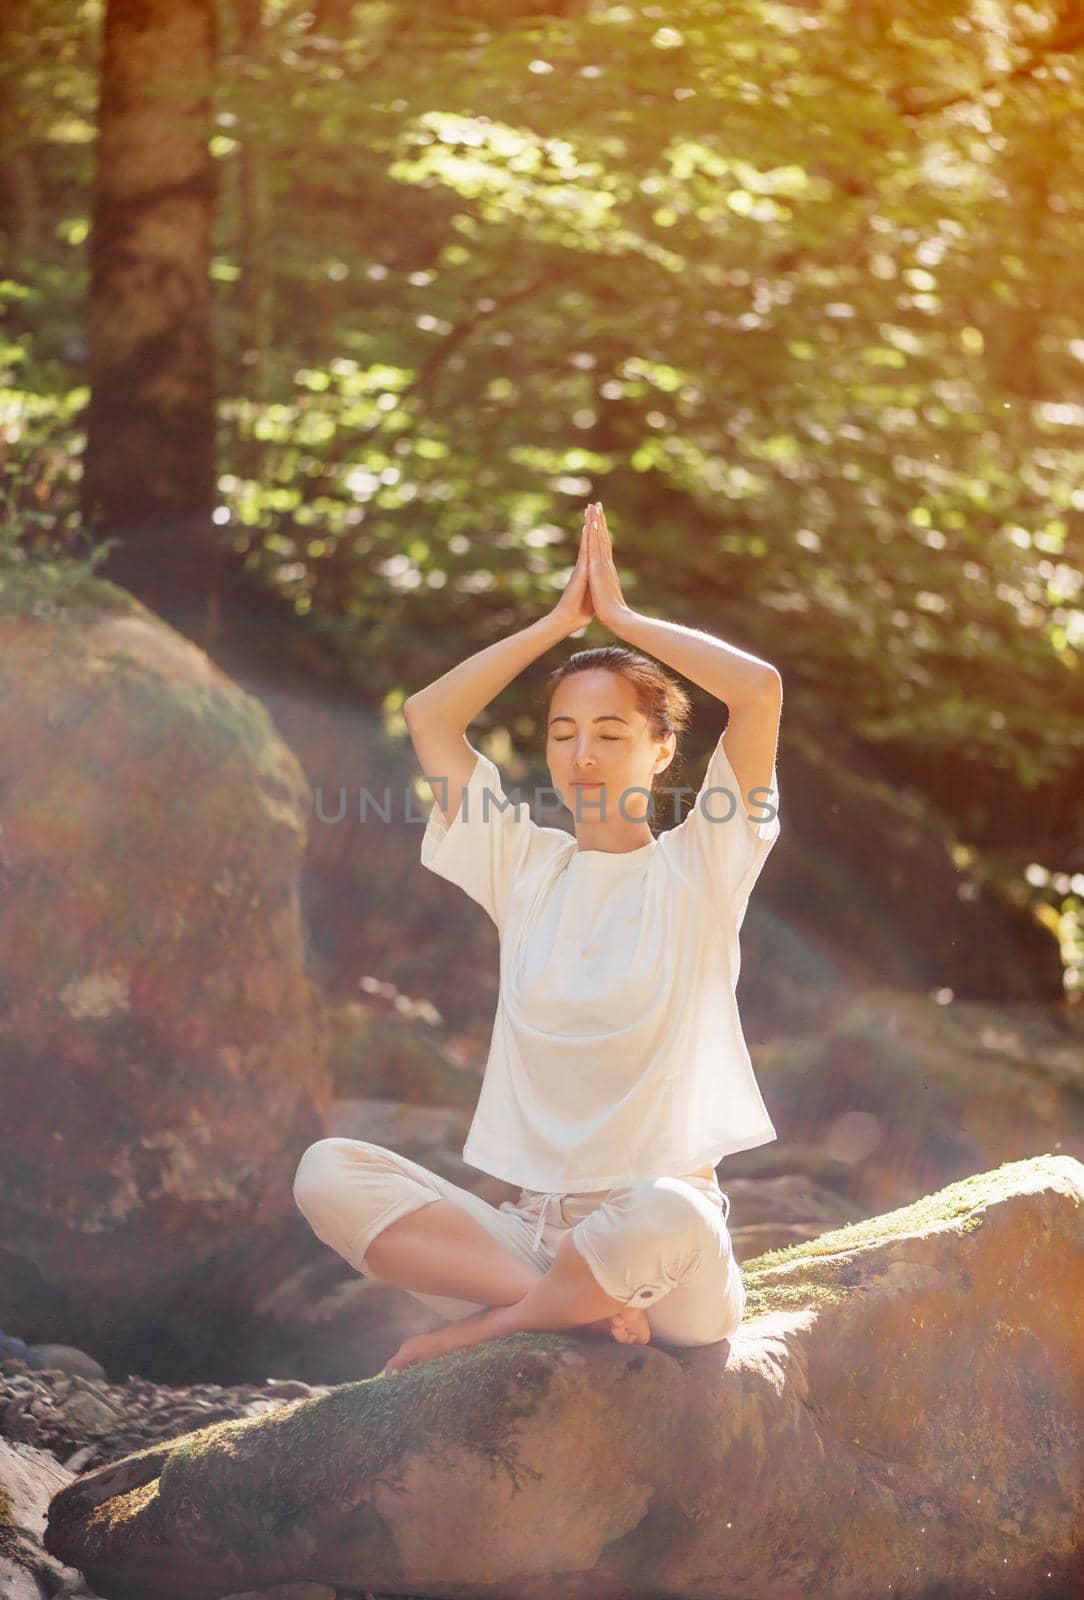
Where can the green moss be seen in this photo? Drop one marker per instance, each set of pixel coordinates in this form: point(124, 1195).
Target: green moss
point(472, 1399)
point(822, 1270)
point(231, 722)
point(9, 1539)
point(228, 721)
point(69, 587)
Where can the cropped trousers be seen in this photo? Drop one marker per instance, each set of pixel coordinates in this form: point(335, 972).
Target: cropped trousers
point(660, 1244)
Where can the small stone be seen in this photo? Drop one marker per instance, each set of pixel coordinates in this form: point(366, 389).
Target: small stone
point(67, 1358)
point(87, 1411)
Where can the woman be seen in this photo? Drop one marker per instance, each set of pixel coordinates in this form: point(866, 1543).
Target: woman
point(617, 1075)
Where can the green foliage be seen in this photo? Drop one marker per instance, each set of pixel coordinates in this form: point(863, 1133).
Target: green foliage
point(785, 287)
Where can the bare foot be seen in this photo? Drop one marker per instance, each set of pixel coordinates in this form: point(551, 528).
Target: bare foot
point(475, 1329)
point(627, 1326)
point(631, 1326)
point(413, 1351)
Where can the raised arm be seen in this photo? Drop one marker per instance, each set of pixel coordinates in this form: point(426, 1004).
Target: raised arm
point(751, 688)
point(438, 716)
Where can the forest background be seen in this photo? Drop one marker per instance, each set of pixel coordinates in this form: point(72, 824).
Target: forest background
point(324, 321)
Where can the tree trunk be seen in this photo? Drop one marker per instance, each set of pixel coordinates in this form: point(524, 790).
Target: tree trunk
point(149, 469)
point(19, 186)
point(254, 208)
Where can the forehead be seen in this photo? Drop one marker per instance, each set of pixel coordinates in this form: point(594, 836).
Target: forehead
point(587, 695)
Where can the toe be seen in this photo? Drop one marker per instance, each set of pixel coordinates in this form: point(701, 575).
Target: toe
point(395, 1363)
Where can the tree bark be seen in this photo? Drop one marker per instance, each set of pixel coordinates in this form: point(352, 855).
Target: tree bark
point(255, 212)
point(149, 469)
point(19, 186)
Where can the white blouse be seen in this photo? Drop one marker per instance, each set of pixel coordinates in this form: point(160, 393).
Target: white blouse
point(617, 1051)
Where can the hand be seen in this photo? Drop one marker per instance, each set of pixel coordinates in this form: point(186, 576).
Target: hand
point(609, 603)
point(575, 609)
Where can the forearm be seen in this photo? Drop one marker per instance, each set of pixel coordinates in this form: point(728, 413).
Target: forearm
point(724, 671)
point(464, 691)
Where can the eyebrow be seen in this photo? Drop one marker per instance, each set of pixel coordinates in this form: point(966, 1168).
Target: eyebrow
point(608, 716)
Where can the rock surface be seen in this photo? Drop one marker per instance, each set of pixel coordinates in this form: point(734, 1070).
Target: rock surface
point(54, 1423)
point(899, 1414)
point(29, 1478)
point(161, 1045)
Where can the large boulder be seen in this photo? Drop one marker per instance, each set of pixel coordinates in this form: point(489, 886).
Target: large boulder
point(899, 1414)
point(161, 1052)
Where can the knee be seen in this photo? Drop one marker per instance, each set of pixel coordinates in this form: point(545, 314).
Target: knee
point(659, 1211)
point(318, 1169)
point(312, 1170)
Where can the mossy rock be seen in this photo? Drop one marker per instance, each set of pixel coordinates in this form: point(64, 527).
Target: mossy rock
point(899, 1414)
point(156, 996)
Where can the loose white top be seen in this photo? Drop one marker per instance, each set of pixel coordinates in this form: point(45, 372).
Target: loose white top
point(617, 1051)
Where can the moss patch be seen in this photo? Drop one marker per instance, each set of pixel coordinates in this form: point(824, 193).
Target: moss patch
point(70, 588)
point(828, 1260)
point(362, 1433)
point(9, 1539)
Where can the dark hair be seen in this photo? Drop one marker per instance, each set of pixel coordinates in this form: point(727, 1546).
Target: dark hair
point(660, 697)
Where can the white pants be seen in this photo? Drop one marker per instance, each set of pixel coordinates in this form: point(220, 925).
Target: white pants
point(660, 1244)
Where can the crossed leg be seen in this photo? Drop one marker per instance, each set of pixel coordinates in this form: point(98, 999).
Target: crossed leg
point(566, 1296)
point(444, 1248)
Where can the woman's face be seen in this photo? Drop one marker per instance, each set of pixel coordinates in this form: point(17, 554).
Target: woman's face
point(598, 733)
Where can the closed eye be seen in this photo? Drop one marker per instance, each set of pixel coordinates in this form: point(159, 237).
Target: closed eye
point(563, 738)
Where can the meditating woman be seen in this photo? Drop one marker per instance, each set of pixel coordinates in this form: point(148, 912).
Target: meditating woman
point(618, 1076)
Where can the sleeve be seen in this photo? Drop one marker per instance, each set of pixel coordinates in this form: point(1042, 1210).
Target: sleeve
point(486, 845)
point(725, 839)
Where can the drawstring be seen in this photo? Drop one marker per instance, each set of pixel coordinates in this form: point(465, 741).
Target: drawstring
point(546, 1198)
